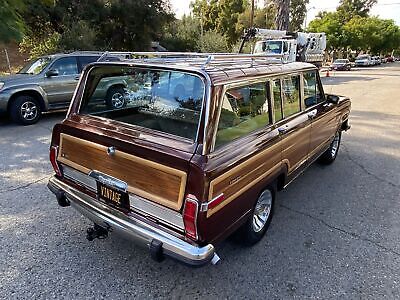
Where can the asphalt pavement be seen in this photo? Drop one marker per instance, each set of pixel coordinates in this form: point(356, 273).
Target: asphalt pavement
point(335, 233)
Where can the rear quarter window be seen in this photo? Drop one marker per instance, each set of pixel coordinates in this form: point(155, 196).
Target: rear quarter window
point(244, 110)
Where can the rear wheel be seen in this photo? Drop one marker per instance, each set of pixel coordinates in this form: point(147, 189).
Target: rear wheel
point(254, 229)
point(115, 97)
point(330, 154)
point(25, 110)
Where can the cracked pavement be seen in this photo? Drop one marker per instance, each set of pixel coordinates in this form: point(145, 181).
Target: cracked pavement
point(335, 233)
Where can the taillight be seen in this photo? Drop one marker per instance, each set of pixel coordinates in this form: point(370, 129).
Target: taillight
point(53, 160)
point(190, 216)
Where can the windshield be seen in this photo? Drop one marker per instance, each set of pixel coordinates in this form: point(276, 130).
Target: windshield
point(341, 61)
point(36, 66)
point(363, 57)
point(166, 101)
point(273, 47)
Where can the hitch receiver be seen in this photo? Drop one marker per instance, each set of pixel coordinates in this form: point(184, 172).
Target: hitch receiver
point(96, 232)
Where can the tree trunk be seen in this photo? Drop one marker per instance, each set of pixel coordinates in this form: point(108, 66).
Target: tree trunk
point(282, 16)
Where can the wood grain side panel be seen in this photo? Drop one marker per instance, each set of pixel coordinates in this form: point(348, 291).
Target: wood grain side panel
point(242, 177)
point(145, 178)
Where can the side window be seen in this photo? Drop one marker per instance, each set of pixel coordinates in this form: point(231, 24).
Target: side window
point(244, 110)
point(277, 100)
point(65, 66)
point(85, 60)
point(291, 95)
point(312, 94)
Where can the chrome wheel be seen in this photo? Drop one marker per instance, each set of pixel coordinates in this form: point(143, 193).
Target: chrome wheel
point(335, 144)
point(117, 100)
point(29, 111)
point(262, 211)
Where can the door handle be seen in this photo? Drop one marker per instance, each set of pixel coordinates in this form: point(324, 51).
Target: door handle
point(311, 115)
point(327, 105)
point(77, 77)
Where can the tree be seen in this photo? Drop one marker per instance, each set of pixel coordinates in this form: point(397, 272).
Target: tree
point(330, 23)
point(351, 8)
point(282, 16)
point(298, 11)
point(11, 25)
point(94, 24)
point(212, 42)
point(220, 15)
point(228, 17)
point(182, 35)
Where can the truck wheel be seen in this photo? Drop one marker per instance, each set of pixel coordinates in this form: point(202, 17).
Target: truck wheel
point(25, 110)
point(254, 229)
point(330, 154)
point(115, 97)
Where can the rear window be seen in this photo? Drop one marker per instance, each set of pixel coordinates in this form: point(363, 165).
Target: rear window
point(162, 100)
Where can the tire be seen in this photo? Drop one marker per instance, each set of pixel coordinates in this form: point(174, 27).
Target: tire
point(331, 153)
point(115, 97)
point(25, 110)
point(256, 226)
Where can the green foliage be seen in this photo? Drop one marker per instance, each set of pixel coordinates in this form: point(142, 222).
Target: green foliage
point(372, 34)
point(94, 24)
point(182, 35)
point(330, 23)
point(349, 9)
point(298, 11)
point(220, 15)
point(212, 42)
point(11, 25)
point(368, 34)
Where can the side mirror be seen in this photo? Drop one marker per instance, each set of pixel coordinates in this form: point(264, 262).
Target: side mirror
point(51, 73)
point(332, 99)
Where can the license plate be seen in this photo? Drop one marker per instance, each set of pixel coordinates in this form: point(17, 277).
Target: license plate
point(112, 195)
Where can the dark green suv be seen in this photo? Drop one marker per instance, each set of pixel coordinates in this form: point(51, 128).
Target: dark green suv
point(48, 83)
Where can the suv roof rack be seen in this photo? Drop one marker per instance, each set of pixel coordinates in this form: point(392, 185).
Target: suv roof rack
point(205, 59)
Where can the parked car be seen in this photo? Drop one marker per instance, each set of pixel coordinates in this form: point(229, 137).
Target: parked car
point(389, 59)
point(341, 65)
point(364, 61)
point(198, 153)
point(46, 84)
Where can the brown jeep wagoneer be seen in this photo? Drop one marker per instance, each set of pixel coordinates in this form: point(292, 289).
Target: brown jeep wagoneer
point(197, 151)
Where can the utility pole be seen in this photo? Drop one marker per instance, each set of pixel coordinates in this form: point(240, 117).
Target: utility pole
point(8, 60)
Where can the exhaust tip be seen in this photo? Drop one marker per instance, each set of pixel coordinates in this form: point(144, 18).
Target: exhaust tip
point(215, 259)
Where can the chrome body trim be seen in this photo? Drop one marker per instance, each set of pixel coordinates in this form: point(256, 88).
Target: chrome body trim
point(138, 204)
point(133, 228)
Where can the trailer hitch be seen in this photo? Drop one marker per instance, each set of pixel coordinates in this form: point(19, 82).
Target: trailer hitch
point(96, 232)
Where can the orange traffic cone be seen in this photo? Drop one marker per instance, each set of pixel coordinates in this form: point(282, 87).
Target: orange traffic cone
point(327, 73)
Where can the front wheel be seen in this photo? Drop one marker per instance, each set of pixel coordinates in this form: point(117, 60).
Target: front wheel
point(330, 154)
point(115, 97)
point(25, 110)
point(255, 228)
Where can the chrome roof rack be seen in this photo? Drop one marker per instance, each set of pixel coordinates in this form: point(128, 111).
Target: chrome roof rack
point(203, 59)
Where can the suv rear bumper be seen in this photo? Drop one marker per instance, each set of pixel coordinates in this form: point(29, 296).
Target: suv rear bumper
point(134, 229)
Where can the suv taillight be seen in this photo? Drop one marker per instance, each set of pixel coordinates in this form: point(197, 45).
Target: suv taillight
point(190, 216)
point(53, 160)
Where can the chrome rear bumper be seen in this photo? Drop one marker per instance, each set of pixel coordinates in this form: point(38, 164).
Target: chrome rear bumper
point(134, 229)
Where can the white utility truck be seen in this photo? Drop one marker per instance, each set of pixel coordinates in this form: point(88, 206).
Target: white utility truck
point(288, 47)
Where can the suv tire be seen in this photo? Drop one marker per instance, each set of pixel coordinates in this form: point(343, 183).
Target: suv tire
point(115, 97)
point(256, 226)
point(330, 154)
point(25, 110)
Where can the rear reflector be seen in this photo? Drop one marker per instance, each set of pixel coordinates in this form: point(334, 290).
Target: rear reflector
point(53, 160)
point(190, 217)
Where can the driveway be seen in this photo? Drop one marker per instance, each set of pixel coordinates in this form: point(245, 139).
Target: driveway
point(335, 234)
